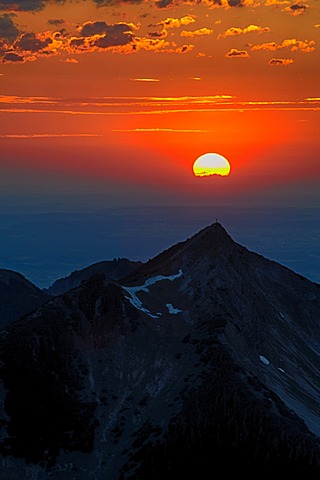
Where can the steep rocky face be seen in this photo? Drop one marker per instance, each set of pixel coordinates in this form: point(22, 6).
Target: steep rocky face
point(18, 296)
point(203, 358)
point(114, 269)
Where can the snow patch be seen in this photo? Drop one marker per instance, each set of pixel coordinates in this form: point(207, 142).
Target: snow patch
point(134, 300)
point(172, 310)
point(281, 370)
point(264, 360)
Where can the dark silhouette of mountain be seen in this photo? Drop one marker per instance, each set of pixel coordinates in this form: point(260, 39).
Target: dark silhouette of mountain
point(205, 358)
point(18, 296)
point(114, 269)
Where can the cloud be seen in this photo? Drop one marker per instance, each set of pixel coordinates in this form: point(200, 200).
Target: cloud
point(12, 57)
point(280, 62)
point(22, 5)
point(122, 44)
point(90, 29)
point(69, 60)
point(114, 40)
point(269, 3)
point(57, 22)
point(106, 3)
point(92, 36)
point(144, 79)
point(103, 35)
point(210, 3)
point(31, 42)
point(196, 33)
point(165, 3)
point(171, 22)
point(3, 46)
point(293, 44)
point(266, 46)
point(184, 49)
point(177, 22)
point(161, 34)
point(49, 135)
point(233, 31)
point(296, 9)
point(234, 53)
point(167, 130)
point(30, 46)
point(8, 30)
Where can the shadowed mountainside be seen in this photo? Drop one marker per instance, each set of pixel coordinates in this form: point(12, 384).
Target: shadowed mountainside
point(114, 269)
point(18, 296)
point(206, 357)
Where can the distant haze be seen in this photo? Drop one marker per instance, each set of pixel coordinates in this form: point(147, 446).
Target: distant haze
point(47, 246)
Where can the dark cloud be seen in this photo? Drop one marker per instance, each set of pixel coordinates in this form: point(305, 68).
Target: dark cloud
point(22, 5)
point(298, 7)
point(56, 22)
point(100, 28)
point(104, 3)
point(31, 43)
point(155, 34)
point(8, 30)
point(12, 57)
point(114, 40)
point(112, 35)
point(165, 3)
point(235, 3)
point(77, 42)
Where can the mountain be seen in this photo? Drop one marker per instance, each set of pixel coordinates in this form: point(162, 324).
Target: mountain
point(18, 296)
point(202, 359)
point(114, 269)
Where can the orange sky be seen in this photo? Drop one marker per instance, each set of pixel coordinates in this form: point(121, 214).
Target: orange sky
point(111, 96)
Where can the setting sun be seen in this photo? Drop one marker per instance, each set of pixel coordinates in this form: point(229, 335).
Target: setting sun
point(211, 164)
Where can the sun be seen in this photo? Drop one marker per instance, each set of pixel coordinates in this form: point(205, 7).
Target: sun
point(211, 164)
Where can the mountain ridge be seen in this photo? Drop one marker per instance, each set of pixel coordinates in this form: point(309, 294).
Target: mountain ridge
point(205, 354)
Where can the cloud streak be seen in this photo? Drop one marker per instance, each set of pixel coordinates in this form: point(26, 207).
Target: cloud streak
point(142, 106)
point(23, 136)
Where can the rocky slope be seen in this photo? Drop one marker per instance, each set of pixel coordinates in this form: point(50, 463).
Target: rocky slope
point(206, 357)
point(18, 296)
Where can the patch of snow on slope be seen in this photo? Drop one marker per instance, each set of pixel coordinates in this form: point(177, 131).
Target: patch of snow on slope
point(134, 300)
point(264, 360)
point(172, 310)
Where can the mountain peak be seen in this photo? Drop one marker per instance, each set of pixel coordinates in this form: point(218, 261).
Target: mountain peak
point(212, 241)
point(215, 233)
